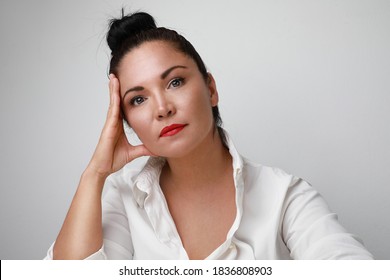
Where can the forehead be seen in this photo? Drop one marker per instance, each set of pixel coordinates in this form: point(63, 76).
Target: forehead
point(150, 59)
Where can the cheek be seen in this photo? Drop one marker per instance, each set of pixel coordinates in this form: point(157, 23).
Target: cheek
point(138, 121)
point(200, 105)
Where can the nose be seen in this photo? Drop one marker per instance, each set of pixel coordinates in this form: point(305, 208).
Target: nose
point(165, 108)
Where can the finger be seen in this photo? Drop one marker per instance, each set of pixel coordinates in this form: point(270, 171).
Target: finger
point(113, 89)
point(138, 151)
point(114, 115)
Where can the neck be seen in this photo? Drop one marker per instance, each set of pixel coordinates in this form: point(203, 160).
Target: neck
point(201, 167)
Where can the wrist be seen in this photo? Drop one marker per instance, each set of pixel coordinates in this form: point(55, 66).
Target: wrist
point(92, 175)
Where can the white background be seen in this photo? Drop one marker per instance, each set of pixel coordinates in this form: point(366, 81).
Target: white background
point(304, 85)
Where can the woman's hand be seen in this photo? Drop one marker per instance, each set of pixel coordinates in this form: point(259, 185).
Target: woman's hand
point(113, 150)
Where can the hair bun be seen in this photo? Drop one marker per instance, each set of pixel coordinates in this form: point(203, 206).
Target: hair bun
point(128, 26)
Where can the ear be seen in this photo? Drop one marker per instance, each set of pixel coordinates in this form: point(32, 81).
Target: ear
point(213, 90)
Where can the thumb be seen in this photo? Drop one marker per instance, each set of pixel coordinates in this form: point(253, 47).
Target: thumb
point(138, 151)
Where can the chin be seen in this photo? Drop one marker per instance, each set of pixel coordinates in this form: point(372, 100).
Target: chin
point(176, 153)
point(174, 150)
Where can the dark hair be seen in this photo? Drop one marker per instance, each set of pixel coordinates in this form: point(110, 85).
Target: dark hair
point(130, 31)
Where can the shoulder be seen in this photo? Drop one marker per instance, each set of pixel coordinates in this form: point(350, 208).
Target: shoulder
point(273, 183)
point(268, 175)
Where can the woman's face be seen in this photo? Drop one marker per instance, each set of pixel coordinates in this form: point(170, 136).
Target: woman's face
point(166, 100)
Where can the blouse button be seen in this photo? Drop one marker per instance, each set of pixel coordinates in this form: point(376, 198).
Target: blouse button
point(232, 246)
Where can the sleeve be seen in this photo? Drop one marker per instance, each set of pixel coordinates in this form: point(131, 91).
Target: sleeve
point(116, 232)
point(99, 255)
point(312, 232)
point(117, 242)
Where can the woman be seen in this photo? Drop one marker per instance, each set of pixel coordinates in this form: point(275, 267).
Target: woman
point(196, 197)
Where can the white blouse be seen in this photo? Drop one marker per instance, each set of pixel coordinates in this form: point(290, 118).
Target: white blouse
point(279, 216)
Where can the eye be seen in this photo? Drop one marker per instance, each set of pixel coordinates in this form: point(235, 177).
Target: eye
point(177, 82)
point(137, 100)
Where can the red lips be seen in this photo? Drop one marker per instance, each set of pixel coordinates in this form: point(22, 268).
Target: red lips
point(171, 130)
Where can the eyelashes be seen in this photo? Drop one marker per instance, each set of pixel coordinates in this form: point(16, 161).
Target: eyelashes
point(137, 100)
point(176, 82)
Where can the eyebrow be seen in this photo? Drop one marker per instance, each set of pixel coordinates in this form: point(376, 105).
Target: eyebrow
point(166, 72)
point(162, 77)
